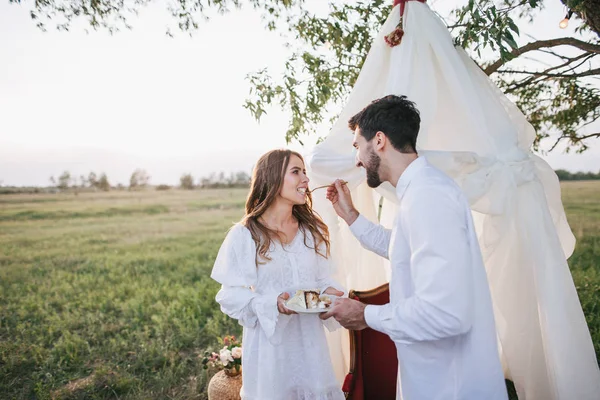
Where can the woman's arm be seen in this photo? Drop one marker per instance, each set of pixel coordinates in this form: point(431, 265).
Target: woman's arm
point(235, 269)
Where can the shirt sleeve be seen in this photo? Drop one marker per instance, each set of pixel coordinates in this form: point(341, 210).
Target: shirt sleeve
point(373, 237)
point(235, 269)
point(435, 225)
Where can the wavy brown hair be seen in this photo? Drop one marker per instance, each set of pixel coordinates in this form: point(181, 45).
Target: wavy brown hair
point(267, 180)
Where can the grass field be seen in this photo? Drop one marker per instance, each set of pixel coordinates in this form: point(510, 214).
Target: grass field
point(582, 205)
point(106, 296)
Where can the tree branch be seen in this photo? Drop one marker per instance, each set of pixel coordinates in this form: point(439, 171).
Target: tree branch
point(518, 85)
point(590, 47)
point(559, 75)
point(569, 62)
point(585, 59)
point(574, 139)
point(597, 135)
point(547, 51)
point(544, 74)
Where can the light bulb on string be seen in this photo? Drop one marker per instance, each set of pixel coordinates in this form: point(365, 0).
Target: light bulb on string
point(565, 22)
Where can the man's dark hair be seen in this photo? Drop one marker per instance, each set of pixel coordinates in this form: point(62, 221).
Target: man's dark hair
point(395, 116)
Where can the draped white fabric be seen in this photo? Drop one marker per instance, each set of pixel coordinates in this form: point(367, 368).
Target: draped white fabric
point(470, 130)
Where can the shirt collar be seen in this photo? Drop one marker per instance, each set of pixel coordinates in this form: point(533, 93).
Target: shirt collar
point(409, 173)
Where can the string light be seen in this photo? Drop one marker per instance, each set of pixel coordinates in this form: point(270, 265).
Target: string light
point(565, 22)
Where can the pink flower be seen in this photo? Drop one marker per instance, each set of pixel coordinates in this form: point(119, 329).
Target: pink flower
point(236, 352)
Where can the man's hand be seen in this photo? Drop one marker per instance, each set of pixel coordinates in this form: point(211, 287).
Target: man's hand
point(340, 198)
point(281, 304)
point(349, 313)
point(333, 291)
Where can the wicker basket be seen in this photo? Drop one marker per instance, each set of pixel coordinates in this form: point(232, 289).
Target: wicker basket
point(224, 387)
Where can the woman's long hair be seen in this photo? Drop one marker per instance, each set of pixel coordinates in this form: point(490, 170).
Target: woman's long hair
point(267, 180)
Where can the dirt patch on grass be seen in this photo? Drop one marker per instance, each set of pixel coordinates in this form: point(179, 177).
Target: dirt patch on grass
point(94, 383)
point(74, 386)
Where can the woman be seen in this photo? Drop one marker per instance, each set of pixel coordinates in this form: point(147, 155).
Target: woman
point(280, 245)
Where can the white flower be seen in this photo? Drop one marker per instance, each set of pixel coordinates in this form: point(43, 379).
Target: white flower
point(225, 356)
point(236, 352)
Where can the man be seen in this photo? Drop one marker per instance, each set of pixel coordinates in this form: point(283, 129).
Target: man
point(440, 312)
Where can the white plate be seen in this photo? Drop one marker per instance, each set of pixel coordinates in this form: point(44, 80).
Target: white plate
point(300, 310)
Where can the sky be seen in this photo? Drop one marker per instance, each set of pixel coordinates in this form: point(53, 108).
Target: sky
point(86, 102)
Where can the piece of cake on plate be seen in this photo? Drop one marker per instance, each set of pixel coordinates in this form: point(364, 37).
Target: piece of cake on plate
point(309, 300)
point(311, 297)
point(324, 301)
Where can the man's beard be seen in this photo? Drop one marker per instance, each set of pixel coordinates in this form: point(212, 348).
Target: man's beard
point(372, 168)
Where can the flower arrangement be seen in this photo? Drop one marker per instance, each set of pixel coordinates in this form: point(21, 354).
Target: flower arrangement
point(229, 358)
point(395, 37)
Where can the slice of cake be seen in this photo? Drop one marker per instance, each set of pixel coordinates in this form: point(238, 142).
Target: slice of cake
point(305, 299)
point(311, 297)
point(298, 300)
point(309, 300)
point(324, 301)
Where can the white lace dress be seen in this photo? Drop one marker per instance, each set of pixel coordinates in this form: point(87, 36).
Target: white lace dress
point(285, 357)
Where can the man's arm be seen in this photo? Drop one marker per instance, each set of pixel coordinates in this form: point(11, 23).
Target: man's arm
point(436, 228)
point(373, 237)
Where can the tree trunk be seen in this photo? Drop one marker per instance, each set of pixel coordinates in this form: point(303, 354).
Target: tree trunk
point(588, 11)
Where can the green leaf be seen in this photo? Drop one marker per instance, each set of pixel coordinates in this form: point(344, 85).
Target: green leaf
point(508, 38)
point(513, 26)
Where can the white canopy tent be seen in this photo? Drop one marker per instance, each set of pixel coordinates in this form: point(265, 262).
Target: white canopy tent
point(470, 130)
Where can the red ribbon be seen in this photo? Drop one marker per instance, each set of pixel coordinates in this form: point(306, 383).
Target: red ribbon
point(403, 4)
point(395, 37)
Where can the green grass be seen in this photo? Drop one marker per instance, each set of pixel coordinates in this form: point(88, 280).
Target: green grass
point(108, 295)
point(582, 205)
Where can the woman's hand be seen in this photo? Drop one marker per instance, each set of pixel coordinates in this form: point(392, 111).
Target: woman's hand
point(281, 304)
point(333, 291)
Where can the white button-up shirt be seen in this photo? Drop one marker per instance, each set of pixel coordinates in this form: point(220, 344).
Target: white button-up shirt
point(440, 312)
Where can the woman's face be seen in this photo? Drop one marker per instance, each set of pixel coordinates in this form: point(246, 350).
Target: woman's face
point(295, 182)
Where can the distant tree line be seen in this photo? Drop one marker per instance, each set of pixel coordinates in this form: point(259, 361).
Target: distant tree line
point(66, 181)
point(140, 180)
point(564, 175)
point(214, 181)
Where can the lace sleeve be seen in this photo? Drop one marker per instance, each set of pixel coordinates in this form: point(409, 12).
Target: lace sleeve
point(235, 270)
